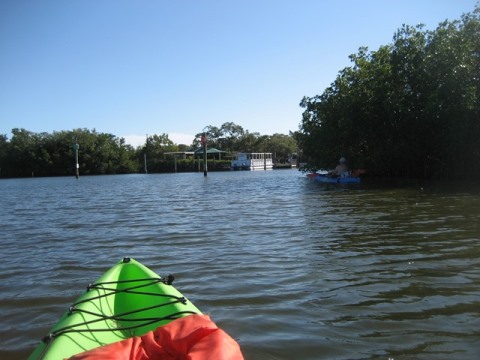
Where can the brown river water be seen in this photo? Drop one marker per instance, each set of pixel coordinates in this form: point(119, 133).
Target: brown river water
point(289, 268)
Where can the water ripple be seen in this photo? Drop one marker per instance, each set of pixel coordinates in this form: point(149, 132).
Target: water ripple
point(290, 268)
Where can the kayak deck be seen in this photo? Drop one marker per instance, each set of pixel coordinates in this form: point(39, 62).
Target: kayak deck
point(128, 300)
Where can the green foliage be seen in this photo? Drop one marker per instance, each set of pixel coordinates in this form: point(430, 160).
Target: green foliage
point(155, 148)
point(32, 154)
point(232, 138)
point(411, 108)
point(41, 154)
point(282, 146)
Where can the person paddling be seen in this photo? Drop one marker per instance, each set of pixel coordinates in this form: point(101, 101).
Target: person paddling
point(341, 169)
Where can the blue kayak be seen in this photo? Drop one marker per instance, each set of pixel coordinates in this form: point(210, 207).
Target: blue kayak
point(323, 178)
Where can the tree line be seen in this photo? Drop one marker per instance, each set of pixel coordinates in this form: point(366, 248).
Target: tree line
point(233, 138)
point(409, 109)
point(52, 154)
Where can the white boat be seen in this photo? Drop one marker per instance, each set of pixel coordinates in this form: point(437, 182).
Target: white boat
point(252, 161)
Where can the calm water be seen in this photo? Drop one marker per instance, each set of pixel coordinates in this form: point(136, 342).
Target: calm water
point(289, 268)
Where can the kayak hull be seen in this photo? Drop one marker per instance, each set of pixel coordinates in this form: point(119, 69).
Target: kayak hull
point(322, 178)
point(128, 300)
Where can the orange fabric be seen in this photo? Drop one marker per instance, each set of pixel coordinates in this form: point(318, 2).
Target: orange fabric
point(194, 337)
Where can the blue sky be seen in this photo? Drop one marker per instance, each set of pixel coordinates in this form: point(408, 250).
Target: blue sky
point(132, 68)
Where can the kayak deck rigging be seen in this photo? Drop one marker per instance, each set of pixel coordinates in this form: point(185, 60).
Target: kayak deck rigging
point(127, 301)
point(122, 317)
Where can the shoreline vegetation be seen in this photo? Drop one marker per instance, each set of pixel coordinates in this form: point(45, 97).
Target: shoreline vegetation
point(410, 109)
point(29, 154)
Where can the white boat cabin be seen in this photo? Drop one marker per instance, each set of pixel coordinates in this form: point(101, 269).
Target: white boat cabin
point(252, 161)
